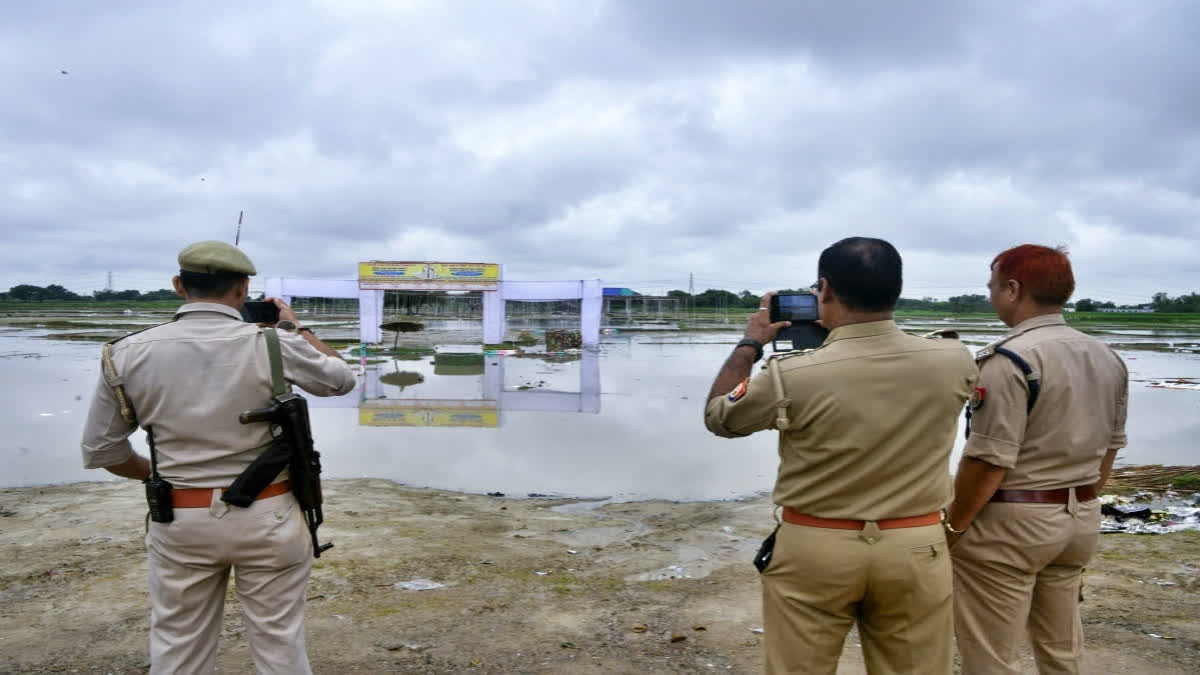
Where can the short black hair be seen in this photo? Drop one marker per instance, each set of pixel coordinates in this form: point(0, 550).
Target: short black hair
point(199, 285)
point(866, 274)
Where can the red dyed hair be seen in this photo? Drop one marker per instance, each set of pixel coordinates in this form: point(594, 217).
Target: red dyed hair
point(1045, 272)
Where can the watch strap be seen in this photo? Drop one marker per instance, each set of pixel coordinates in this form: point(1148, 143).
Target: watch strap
point(750, 342)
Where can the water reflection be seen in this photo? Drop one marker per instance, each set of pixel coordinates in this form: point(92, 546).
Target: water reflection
point(624, 421)
point(465, 389)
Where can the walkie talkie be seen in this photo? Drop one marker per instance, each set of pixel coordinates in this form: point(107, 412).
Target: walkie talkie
point(158, 491)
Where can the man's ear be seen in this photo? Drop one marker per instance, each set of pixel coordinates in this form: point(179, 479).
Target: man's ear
point(243, 289)
point(826, 291)
point(177, 282)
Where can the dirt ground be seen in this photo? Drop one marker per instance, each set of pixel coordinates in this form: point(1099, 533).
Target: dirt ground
point(533, 586)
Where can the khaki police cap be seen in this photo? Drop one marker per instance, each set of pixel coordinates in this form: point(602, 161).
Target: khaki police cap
point(215, 257)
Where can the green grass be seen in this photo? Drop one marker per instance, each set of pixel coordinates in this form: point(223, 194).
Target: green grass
point(1188, 481)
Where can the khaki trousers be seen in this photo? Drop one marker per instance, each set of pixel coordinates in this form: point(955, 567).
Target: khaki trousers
point(190, 559)
point(1017, 569)
point(894, 583)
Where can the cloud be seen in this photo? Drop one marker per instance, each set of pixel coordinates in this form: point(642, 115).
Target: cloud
point(639, 142)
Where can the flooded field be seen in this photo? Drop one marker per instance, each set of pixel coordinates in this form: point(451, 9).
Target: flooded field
point(623, 422)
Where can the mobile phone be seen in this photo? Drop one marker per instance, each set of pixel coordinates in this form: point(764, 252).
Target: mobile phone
point(794, 307)
point(258, 311)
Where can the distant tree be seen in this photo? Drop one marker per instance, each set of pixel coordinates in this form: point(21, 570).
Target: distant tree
point(1085, 305)
point(56, 292)
point(748, 300)
point(27, 293)
point(963, 304)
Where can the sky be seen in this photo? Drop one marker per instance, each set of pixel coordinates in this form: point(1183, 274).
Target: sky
point(640, 142)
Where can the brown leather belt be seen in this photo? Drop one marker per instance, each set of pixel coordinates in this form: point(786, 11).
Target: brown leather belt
point(794, 517)
point(1083, 493)
point(201, 498)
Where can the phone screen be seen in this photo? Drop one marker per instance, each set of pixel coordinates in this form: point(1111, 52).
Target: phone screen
point(794, 307)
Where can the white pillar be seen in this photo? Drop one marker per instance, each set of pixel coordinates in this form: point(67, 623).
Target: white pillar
point(591, 293)
point(370, 315)
point(493, 317)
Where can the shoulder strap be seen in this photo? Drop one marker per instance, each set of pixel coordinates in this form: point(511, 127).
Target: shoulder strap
point(273, 354)
point(781, 401)
point(1035, 386)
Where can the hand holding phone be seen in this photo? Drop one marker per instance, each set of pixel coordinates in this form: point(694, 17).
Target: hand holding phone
point(260, 311)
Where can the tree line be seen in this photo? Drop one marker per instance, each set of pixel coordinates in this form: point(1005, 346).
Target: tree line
point(711, 298)
point(957, 304)
point(53, 292)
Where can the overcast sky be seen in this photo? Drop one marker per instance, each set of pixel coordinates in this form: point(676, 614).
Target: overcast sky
point(635, 141)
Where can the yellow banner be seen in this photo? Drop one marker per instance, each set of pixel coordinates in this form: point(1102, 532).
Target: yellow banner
point(384, 275)
point(470, 272)
point(392, 271)
point(419, 414)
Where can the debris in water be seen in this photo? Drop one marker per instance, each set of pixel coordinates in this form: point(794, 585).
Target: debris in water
point(640, 628)
point(678, 638)
point(418, 585)
point(756, 630)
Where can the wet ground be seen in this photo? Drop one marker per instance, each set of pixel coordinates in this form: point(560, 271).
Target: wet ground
point(528, 586)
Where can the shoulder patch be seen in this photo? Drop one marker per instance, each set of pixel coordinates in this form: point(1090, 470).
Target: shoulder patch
point(739, 391)
point(978, 398)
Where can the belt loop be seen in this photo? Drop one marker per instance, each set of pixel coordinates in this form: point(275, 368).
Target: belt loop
point(870, 532)
point(1072, 503)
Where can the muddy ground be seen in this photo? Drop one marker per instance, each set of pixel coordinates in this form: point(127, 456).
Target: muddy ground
point(533, 586)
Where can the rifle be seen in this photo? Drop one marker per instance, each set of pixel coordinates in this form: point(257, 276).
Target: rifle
point(291, 447)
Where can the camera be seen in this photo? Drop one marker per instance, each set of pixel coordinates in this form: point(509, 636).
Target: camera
point(803, 311)
point(258, 311)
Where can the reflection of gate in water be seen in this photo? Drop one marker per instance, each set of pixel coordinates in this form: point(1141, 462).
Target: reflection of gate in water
point(482, 412)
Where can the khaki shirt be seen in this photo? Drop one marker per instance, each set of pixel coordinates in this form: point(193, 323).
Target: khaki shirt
point(189, 380)
point(1079, 414)
point(872, 421)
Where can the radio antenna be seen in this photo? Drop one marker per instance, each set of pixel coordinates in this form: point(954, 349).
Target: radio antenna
point(238, 237)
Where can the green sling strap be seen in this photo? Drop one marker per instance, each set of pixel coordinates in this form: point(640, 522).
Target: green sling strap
point(277, 382)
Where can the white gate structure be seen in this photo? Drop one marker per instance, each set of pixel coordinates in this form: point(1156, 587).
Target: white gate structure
point(376, 277)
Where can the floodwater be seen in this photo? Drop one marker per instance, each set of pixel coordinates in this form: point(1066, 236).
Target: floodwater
point(623, 422)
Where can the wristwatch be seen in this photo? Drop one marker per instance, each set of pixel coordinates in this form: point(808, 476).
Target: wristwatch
point(750, 342)
point(286, 324)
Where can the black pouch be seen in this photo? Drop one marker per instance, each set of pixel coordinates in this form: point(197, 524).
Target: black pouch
point(158, 497)
point(763, 557)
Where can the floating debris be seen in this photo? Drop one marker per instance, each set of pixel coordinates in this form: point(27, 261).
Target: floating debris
point(418, 585)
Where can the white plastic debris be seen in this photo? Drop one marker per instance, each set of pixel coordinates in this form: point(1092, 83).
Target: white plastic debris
point(541, 574)
point(756, 630)
point(419, 585)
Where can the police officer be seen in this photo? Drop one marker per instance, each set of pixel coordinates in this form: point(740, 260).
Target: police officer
point(1045, 425)
point(188, 380)
point(866, 425)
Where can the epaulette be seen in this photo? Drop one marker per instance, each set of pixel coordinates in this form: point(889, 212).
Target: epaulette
point(943, 333)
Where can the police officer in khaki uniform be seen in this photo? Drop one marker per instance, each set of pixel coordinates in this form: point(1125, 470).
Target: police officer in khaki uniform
point(187, 381)
point(866, 425)
point(1045, 425)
